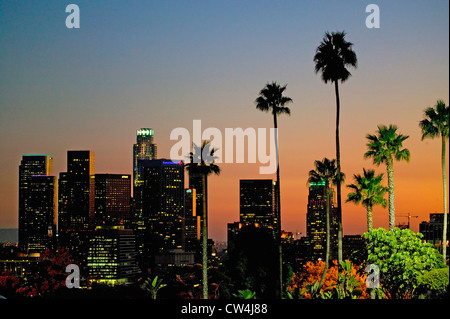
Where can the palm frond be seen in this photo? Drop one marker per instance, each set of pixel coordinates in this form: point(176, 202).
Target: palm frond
point(333, 57)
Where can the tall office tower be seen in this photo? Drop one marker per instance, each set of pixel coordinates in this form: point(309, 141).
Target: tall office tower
point(43, 201)
point(76, 199)
point(196, 183)
point(163, 210)
point(111, 256)
point(316, 222)
point(256, 202)
point(112, 199)
point(144, 149)
point(192, 225)
point(30, 165)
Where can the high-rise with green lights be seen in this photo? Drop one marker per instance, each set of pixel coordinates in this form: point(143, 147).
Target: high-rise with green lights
point(316, 222)
point(144, 150)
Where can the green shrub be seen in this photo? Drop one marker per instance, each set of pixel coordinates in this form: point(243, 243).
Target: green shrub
point(402, 258)
point(433, 284)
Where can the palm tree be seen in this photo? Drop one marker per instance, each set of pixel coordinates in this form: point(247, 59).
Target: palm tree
point(384, 147)
point(325, 172)
point(271, 99)
point(436, 123)
point(202, 165)
point(369, 192)
point(333, 56)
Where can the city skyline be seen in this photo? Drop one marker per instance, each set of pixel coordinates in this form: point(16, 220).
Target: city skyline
point(162, 66)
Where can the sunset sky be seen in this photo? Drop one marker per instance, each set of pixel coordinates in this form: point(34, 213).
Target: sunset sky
point(163, 64)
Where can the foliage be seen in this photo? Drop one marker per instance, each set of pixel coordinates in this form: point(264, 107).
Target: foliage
point(368, 189)
point(201, 160)
point(346, 281)
point(386, 145)
point(350, 282)
point(250, 263)
point(50, 278)
point(401, 257)
point(8, 284)
point(245, 294)
point(436, 121)
point(325, 171)
point(433, 284)
point(333, 56)
point(153, 286)
point(271, 99)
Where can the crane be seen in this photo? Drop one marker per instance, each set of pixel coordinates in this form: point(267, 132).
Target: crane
point(409, 218)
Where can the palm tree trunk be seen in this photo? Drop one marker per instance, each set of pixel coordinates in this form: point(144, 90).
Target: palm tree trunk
point(327, 252)
point(278, 211)
point(204, 240)
point(391, 188)
point(444, 179)
point(338, 171)
point(369, 218)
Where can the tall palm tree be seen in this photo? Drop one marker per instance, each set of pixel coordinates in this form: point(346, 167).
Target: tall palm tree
point(271, 99)
point(368, 191)
point(325, 172)
point(201, 164)
point(333, 57)
point(436, 123)
point(385, 147)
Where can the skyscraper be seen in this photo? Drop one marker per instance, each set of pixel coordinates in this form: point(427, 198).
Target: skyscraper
point(196, 183)
point(256, 202)
point(76, 202)
point(316, 222)
point(43, 201)
point(144, 150)
point(112, 199)
point(31, 165)
point(163, 206)
point(192, 225)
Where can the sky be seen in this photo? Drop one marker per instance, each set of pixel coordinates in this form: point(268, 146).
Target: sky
point(163, 64)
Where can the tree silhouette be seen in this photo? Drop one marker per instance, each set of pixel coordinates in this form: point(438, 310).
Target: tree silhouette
point(434, 124)
point(202, 164)
point(333, 56)
point(384, 148)
point(368, 191)
point(271, 99)
point(325, 171)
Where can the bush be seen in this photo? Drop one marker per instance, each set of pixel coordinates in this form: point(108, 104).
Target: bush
point(402, 258)
point(433, 284)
